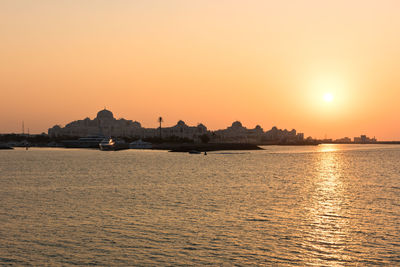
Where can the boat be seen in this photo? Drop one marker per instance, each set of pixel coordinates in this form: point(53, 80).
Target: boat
point(91, 141)
point(111, 144)
point(194, 152)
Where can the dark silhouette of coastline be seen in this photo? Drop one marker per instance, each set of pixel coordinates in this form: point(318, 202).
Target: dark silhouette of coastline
point(106, 124)
point(206, 147)
point(5, 146)
point(89, 133)
point(171, 143)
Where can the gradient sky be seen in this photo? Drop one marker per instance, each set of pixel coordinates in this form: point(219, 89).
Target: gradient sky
point(260, 62)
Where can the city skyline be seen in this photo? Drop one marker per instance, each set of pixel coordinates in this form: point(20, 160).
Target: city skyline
point(25, 128)
point(125, 127)
point(329, 69)
point(105, 124)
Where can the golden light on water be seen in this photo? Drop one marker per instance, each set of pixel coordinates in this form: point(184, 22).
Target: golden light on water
point(328, 148)
point(330, 225)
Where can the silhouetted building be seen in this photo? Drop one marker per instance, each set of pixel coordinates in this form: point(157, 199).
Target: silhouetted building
point(363, 139)
point(343, 140)
point(182, 130)
point(237, 133)
point(105, 124)
point(276, 134)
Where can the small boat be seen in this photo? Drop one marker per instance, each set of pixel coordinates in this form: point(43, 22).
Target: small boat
point(110, 144)
point(194, 152)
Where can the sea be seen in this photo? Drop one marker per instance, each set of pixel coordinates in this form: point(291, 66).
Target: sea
point(326, 205)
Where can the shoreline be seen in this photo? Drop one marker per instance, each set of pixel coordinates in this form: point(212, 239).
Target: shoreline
point(209, 147)
point(206, 147)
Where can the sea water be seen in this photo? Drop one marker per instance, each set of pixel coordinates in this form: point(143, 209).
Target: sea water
point(319, 205)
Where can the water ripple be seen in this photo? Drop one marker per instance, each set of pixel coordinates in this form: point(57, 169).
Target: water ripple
point(283, 206)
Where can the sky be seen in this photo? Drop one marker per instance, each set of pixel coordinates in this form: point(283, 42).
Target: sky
point(268, 63)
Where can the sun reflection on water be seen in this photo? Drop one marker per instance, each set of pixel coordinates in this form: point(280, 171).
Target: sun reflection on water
point(328, 147)
point(328, 225)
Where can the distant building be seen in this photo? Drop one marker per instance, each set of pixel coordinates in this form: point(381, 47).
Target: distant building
point(182, 130)
point(105, 124)
point(363, 139)
point(343, 140)
point(276, 134)
point(237, 133)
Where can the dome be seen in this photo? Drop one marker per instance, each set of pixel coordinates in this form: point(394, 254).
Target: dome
point(181, 123)
point(200, 125)
point(105, 114)
point(237, 124)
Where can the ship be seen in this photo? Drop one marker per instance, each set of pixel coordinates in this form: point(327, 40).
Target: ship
point(112, 144)
point(92, 141)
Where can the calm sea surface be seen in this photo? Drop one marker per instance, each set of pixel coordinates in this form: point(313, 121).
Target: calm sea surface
point(324, 205)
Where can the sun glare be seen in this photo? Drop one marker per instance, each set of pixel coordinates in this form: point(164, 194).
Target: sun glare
point(328, 97)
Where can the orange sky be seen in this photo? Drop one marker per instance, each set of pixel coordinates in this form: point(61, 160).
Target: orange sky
point(260, 62)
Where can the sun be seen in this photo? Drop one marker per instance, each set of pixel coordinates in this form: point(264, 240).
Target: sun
point(328, 97)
